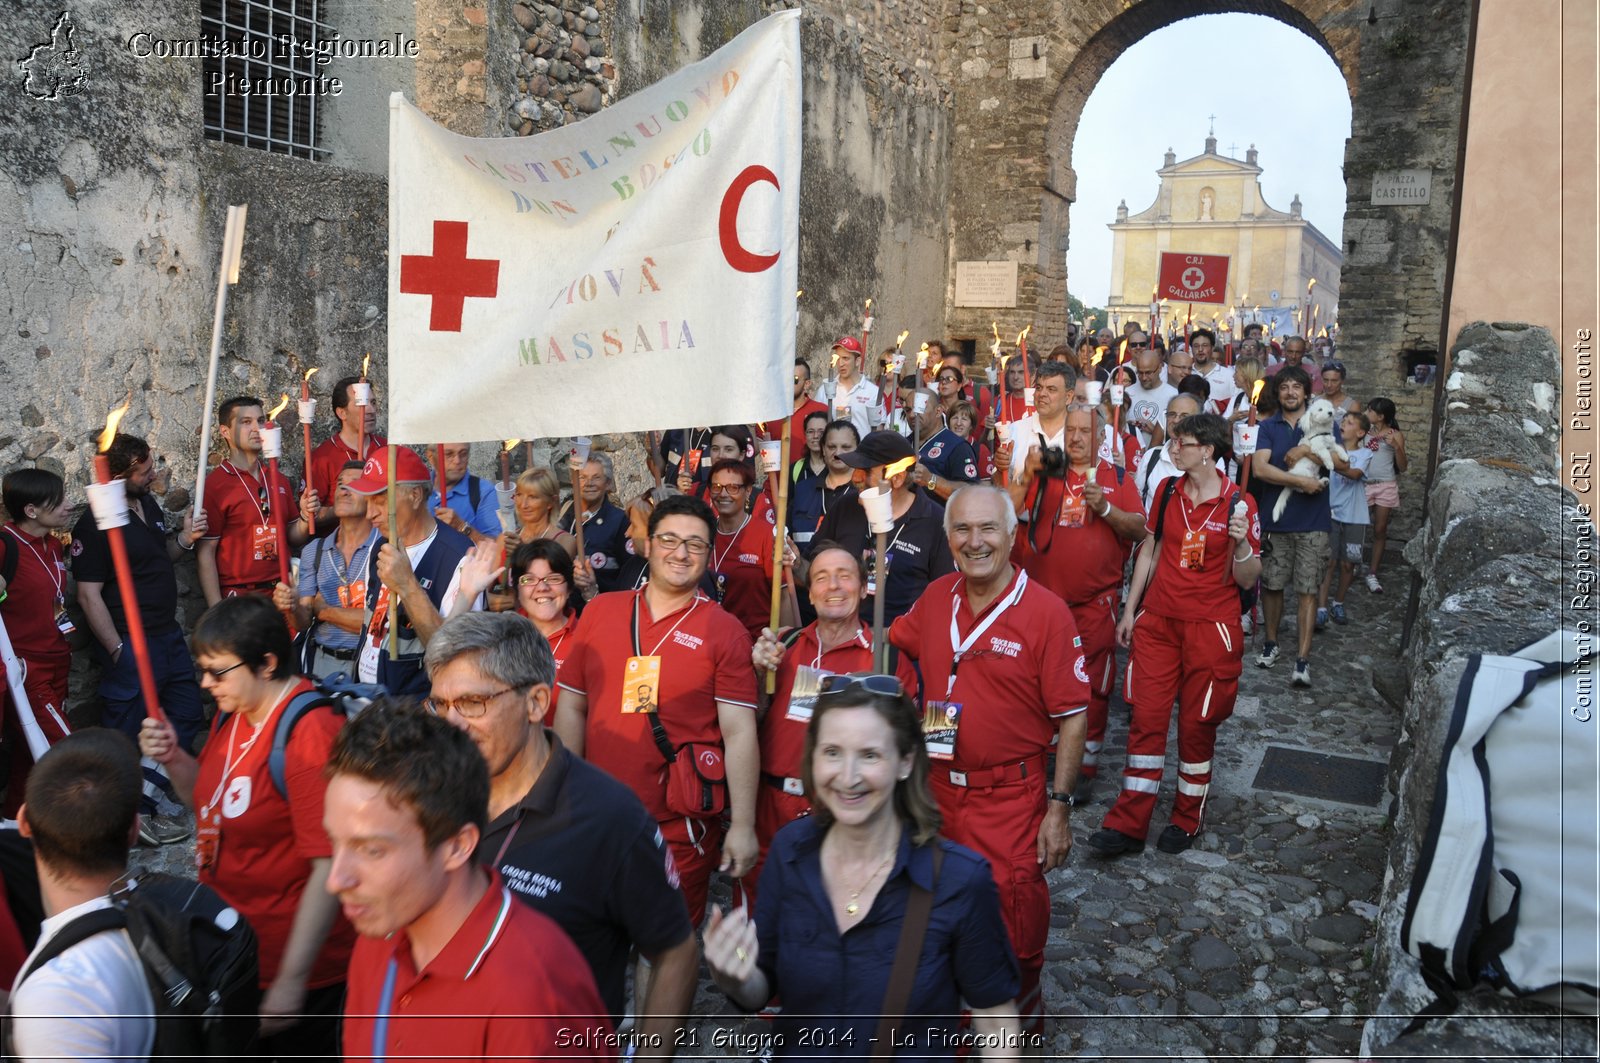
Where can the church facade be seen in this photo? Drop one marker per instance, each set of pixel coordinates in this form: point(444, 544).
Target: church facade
point(1213, 205)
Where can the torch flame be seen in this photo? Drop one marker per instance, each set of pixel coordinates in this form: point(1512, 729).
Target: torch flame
point(901, 339)
point(1099, 353)
point(898, 467)
point(799, 293)
point(1023, 335)
point(273, 416)
point(1255, 390)
point(113, 419)
point(310, 371)
point(869, 304)
point(511, 443)
point(1310, 284)
point(364, 362)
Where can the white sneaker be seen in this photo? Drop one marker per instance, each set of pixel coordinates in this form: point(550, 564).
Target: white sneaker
point(1372, 583)
point(1247, 623)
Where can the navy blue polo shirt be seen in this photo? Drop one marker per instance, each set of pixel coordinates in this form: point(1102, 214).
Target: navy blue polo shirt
point(950, 457)
point(810, 502)
point(1304, 513)
point(919, 551)
point(155, 583)
point(837, 982)
point(605, 537)
point(586, 853)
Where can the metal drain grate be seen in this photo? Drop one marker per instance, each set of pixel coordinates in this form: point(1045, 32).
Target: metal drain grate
point(1348, 780)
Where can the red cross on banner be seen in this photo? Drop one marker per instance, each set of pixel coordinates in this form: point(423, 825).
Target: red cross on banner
point(449, 276)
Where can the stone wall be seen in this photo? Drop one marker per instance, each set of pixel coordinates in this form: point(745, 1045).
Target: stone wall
point(1492, 554)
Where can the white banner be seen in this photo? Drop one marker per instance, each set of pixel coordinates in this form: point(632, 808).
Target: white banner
point(636, 270)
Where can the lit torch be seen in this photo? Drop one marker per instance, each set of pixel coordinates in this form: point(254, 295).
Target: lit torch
point(363, 399)
point(271, 448)
point(866, 334)
point(1027, 379)
point(108, 500)
point(1249, 436)
point(895, 365)
point(308, 413)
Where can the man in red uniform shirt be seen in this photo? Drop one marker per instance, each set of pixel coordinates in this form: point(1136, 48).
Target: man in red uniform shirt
point(329, 456)
point(1182, 621)
point(695, 657)
point(837, 643)
point(804, 406)
point(245, 507)
point(741, 555)
point(448, 964)
point(1003, 675)
point(1082, 520)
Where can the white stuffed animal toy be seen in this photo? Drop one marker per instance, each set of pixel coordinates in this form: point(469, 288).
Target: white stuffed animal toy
point(1316, 428)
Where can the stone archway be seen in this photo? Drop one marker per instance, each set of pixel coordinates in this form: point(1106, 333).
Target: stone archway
point(1022, 78)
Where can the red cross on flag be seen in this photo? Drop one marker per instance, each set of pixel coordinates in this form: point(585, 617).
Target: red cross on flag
point(1186, 278)
point(631, 271)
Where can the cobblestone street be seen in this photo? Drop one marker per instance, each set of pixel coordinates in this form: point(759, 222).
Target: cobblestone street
point(1256, 942)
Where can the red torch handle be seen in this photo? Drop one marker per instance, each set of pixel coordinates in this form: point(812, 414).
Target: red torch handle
point(130, 606)
point(311, 521)
point(279, 530)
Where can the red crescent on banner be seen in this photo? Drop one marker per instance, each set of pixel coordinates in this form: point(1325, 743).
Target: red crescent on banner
point(728, 223)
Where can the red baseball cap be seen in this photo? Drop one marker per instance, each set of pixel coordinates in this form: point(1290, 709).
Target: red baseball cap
point(849, 343)
point(408, 469)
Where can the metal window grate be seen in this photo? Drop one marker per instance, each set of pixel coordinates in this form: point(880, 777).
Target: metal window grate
point(247, 50)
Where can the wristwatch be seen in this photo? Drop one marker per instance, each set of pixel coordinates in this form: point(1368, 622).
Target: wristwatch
point(1064, 798)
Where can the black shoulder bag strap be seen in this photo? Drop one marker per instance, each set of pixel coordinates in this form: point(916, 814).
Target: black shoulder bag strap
point(907, 956)
point(657, 732)
point(76, 932)
point(474, 492)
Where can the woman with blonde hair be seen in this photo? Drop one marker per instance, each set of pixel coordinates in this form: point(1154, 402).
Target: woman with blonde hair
point(537, 500)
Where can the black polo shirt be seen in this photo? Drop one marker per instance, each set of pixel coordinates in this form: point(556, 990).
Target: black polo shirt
point(605, 532)
point(587, 854)
point(155, 583)
point(919, 552)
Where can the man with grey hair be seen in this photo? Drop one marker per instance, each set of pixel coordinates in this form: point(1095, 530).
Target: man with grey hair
point(569, 840)
point(605, 525)
point(1002, 665)
point(1084, 519)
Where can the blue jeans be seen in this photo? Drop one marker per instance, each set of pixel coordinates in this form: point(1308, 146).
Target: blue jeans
point(176, 688)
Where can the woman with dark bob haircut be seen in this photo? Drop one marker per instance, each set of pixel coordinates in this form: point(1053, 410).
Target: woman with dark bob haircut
point(261, 847)
point(837, 886)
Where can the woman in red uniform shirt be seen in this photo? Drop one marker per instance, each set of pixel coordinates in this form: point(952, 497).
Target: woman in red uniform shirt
point(263, 850)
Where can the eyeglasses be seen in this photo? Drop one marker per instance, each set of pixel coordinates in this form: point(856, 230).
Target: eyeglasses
point(468, 706)
point(1183, 446)
point(217, 673)
point(1138, 346)
point(551, 582)
point(670, 543)
point(727, 489)
point(872, 683)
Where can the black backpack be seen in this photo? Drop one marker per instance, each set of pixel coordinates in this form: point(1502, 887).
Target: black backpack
point(199, 958)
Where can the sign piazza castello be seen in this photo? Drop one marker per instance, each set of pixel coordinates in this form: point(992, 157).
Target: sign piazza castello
point(1212, 205)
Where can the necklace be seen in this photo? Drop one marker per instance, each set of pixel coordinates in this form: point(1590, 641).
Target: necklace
point(855, 897)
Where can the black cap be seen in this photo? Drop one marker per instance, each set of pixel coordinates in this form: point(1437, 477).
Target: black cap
point(879, 448)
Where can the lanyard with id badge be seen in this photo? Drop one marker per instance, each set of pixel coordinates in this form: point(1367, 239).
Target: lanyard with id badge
point(58, 578)
point(1192, 551)
point(263, 536)
point(641, 674)
point(941, 720)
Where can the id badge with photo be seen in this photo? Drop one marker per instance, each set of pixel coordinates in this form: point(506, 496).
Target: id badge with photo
point(64, 622)
point(1192, 555)
point(264, 542)
point(692, 461)
point(207, 838)
point(380, 617)
point(641, 685)
point(1074, 511)
point(353, 595)
point(803, 695)
point(941, 720)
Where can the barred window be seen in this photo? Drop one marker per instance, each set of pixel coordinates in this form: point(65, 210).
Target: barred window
point(260, 80)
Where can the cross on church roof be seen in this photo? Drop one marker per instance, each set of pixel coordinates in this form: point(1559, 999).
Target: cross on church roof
point(1232, 147)
point(1213, 130)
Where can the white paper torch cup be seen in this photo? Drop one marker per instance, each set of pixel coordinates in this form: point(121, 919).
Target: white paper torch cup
point(771, 456)
point(271, 441)
point(361, 393)
point(879, 506)
point(919, 402)
point(1027, 397)
point(1117, 393)
point(580, 450)
point(1092, 390)
point(308, 410)
point(1247, 438)
point(109, 503)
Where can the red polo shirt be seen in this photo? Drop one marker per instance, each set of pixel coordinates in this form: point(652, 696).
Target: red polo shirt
point(783, 738)
point(40, 581)
point(1012, 408)
point(1014, 683)
point(509, 985)
point(267, 839)
point(329, 457)
point(560, 646)
point(705, 658)
point(797, 425)
point(1078, 563)
point(743, 564)
point(1206, 593)
point(237, 505)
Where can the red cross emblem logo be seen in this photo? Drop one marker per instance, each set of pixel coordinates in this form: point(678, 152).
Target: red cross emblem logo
point(449, 276)
point(1193, 277)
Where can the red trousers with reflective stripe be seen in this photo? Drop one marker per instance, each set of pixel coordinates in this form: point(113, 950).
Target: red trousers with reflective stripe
point(1001, 823)
point(1097, 627)
point(696, 849)
point(1197, 664)
point(45, 681)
